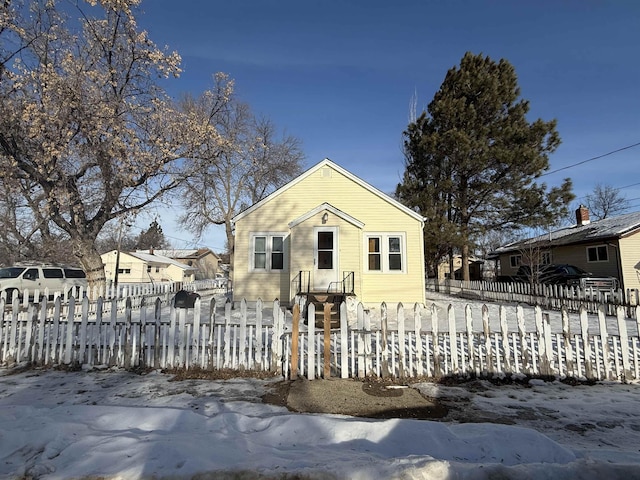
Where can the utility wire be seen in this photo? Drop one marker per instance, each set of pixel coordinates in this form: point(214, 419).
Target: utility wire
point(591, 159)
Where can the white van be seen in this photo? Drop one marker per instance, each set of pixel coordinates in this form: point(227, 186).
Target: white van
point(69, 280)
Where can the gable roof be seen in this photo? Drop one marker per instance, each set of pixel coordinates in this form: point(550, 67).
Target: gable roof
point(153, 259)
point(608, 228)
point(327, 206)
point(328, 163)
point(181, 253)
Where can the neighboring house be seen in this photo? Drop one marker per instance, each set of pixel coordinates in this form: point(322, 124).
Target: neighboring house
point(207, 263)
point(475, 268)
point(609, 247)
point(141, 267)
point(329, 231)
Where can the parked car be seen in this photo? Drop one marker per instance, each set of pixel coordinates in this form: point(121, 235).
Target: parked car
point(40, 277)
point(564, 274)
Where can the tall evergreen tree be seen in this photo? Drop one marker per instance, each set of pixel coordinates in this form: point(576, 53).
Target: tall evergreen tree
point(151, 238)
point(472, 160)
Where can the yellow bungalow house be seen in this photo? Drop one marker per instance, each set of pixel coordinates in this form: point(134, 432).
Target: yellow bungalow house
point(328, 231)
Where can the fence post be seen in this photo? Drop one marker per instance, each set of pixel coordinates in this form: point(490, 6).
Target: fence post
point(437, 366)
point(295, 332)
point(487, 340)
point(385, 340)
point(586, 343)
point(38, 356)
point(311, 342)
point(453, 339)
point(566, 333)
point(327, 340)
point(473, 362)
point(276, 341)
point(68, 344)
point(258, 356)
point(402, 359)
point(359, 353)
point(344, 341)
point(504, 328)
point(624, 344)
point(83, 332)
point(157, 334)
point(128, 353)
point(417, 329)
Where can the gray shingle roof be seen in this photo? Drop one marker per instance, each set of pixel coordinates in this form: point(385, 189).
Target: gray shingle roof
point(614, 227)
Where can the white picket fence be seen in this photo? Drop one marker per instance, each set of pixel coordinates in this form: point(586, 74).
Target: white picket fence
point(133, 290)
point(413, 352)
point(150, 332)
point(547, 296)
point(138, 332)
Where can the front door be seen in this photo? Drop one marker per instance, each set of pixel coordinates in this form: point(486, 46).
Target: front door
point(325, 261)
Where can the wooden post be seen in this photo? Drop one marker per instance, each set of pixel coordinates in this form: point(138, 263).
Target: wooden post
point(327, 340)
point(295, 331)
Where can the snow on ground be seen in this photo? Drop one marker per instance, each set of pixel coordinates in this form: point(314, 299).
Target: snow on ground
point(115, 424)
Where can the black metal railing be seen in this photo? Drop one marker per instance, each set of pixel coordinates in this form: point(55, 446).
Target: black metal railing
point(301, 282)
point(345, 286)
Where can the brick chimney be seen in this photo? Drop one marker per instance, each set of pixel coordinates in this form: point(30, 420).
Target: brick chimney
point(582, 216)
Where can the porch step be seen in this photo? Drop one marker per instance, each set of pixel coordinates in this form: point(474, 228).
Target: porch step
point(318, 300)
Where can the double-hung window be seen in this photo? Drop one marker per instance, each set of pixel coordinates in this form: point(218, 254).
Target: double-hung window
point(267, 251)
point(597, 254)
point(385, 252)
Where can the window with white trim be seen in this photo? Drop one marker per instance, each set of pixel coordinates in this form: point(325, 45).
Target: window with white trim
point(385, 252)
point(598, 253)
point(515, 260)
point(267, 251)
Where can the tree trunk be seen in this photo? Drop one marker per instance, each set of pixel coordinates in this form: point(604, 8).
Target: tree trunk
point(231, 246)
point(85, 251)
point(465, 262)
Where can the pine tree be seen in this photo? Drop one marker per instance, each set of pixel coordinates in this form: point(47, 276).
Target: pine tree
point(472, 160)
point(151, 238)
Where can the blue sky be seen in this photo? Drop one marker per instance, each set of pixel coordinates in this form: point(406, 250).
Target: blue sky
point(340, 75)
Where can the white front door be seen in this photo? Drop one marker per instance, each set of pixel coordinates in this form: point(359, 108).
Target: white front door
point(325, 261)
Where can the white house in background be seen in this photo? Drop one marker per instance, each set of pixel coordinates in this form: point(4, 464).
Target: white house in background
point(207, 262)
point(145, 267)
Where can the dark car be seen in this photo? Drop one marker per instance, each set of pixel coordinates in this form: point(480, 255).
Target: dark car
point(564, 274)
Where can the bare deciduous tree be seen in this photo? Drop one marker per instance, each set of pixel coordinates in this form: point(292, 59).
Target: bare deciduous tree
point(251, 162)
point(605, 201)
point(86, 133)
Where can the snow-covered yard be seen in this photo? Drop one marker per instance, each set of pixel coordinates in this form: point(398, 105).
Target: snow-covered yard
point(109, 423)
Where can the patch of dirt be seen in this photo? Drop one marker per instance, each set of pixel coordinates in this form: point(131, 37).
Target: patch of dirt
point(371, 399)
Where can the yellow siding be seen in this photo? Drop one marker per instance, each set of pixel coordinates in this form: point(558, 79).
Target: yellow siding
point(328, 185)
point(630, 258)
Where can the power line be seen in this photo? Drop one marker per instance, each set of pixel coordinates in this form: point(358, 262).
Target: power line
point(591, 159)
